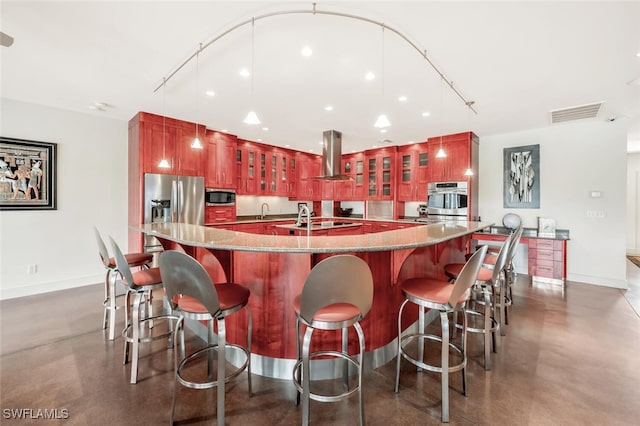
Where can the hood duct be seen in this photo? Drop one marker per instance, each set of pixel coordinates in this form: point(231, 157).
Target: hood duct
point(332, 155)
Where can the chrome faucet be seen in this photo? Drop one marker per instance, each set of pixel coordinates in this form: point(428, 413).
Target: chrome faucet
point(262, 213)
point(302, 210)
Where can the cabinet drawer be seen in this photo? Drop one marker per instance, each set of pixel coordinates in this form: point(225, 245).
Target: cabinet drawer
point(544, 271)
point(545, 244)
point(544, 255)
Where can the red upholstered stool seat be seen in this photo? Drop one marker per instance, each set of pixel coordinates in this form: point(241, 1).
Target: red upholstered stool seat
point(336, 312)
point(133, 259)
point(452, 270)
point(229, 296)
point(432, 290)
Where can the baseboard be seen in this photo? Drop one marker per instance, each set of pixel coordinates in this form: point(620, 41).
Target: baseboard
point(605, 282)
point(30, 290)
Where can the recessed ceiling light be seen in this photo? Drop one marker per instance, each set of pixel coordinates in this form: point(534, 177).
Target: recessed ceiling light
point(426, 114)
point(266, 129)
point(306, 51)
point(369, 76)
point(99, 106)
point(245, 72)
point(402, 98)
point(328, 108)
point(210, 93)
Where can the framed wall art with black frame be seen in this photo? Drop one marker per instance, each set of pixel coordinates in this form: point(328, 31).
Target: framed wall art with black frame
point(27, 174)
point(522, 177)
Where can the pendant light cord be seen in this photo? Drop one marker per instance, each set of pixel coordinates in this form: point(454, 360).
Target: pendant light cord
point(197, 88)
point(253, 21)
point(164, 116)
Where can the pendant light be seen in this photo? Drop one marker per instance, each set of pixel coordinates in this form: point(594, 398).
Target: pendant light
point(164, 164)
point(382, 121)
point(196, 144)
point(441, 153)
point(252, 117)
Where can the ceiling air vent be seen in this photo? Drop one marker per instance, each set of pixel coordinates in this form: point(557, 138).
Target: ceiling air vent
point(575, 113)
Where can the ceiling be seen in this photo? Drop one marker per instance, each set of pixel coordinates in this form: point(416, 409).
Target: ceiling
point(516, 61)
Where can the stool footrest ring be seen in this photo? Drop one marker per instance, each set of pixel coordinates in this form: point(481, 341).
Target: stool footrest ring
point(325, 398)
point(420, 364)
point(212, 383)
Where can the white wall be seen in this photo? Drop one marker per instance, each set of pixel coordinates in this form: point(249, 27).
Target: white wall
point(92, 182)
point(633, 203)
point(574, 159)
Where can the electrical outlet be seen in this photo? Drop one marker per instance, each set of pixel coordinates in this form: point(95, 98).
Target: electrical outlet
point(32, 269)
point(595, 214)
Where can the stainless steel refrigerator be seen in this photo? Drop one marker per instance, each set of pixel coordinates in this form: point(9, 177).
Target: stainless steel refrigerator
point(172, 198)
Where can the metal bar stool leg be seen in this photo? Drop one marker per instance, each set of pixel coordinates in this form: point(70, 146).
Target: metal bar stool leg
point(360, 369)
point(444, 362)
point(222, 340)
point(127, 306)
point(135, 336)
point(297, 372)
point(399, 354)
point(306, 375)
point(345, 363)
point(487, 327)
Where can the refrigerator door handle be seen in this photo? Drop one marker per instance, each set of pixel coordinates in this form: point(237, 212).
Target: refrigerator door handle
point(174, 201)
point(180, 201)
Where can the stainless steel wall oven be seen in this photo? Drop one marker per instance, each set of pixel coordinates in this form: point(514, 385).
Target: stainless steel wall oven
point(448, 200)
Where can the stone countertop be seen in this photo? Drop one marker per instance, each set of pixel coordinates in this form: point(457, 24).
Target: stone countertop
point(321, 225)
point(560, 234)
point(221, 239)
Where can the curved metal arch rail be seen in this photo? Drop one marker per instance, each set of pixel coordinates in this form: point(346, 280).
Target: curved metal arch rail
point(315, 11)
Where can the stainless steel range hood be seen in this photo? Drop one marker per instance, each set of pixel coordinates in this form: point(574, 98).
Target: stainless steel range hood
point(331, 155)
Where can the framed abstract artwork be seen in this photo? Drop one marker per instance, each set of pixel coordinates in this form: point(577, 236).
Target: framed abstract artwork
point(522, 177)
point(27, 174)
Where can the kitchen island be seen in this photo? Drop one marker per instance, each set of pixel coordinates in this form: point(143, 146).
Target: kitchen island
point(274, 268)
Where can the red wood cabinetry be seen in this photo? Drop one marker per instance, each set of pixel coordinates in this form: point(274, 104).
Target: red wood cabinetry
point(168, 138)
point(217, 214)
point(413, 172)
point(151, 139)
point(352, 189)
point(246, 167)
point(461, 150)
point(308, 167)
point(547, 259)
point(220, 168)
point(379, 173)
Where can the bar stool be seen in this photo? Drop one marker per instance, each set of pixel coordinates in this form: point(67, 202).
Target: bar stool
point(139, 285)
point(506, 298)
point(337, 294)
point(445, 298)
point(109, 303)
point(489, 285)
point(194, 296)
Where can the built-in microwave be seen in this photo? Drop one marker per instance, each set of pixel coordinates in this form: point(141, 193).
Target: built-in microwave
point(448, 200)
point(219, 197)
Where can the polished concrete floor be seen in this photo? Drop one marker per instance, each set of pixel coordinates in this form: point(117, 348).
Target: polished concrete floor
point(569, 357)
